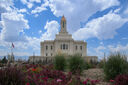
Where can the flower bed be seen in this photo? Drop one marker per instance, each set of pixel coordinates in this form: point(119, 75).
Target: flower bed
point(40, 75)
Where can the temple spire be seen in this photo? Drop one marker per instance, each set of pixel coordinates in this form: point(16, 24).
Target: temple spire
point(63, 25)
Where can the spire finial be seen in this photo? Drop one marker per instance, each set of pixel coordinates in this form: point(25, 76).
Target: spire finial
point(63, 25)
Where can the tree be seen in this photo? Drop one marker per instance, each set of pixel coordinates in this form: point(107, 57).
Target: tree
point(4, 60)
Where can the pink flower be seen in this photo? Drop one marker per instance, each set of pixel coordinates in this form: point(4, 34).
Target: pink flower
point(59, 80)
point(111, 80)
point(85, 82)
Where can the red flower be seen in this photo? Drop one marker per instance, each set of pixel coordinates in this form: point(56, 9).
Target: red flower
point(27, 84)
point(33, 69)
point(45, 78)
point(111, 80)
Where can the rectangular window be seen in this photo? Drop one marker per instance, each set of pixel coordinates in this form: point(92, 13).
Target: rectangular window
point(51, 47)
point(46, 47)
point(66, 46)
point(63, 24)
point(61, 46)
point(76, 47)
point(51, 54)
point(46, 54)
point(80, 47)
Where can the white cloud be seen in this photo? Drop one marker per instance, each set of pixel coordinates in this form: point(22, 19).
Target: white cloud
point(106, 3)
point(13, 26)
point(29, 4)
point(51, 30)
point(103, 27)
point(40, 8)
point(37, 1)
point(24, 1)
point(40, 31)
point(118, 48)
point(77, 11)
point(22, 10)
point(5, 5)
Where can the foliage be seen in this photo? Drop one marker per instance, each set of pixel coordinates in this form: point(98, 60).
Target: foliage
point(38, 75)
point(90, 82)
point(101, 64)
point(76, 64)
point(4, 60)
point(46, 76)
point(11, 76)
point(87, 65)
point(121, 80)
point(60, 62)
point(115, 65)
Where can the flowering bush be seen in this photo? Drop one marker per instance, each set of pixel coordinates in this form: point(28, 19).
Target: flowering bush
point(11, 76)
point(90, 82)
point(46, 76)
point(121, 80)
point(40, 75)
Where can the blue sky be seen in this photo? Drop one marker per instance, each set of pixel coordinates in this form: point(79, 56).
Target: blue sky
point(103, 24)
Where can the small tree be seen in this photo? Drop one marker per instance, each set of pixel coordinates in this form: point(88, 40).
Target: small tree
point(76, 64)
point(60, 62)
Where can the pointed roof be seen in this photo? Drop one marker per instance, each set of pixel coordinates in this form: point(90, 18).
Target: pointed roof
point(63, 18)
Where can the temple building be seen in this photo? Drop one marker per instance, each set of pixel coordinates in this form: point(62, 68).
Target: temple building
point(63, 43)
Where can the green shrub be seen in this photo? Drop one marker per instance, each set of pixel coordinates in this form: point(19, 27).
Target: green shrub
point(60, 62)
point(87, 65)
point(101, 64)
point(76, 64)
point(115, 65)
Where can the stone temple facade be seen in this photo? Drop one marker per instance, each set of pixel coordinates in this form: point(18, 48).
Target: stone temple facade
point(63, 43)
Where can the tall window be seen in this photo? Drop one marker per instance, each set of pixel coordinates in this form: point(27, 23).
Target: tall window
point(46, 54)
point(76, 47)
point(63, 24)
point(80, 47)
point(46, 47)
point(61, 46)
point(51, 47)
point(64, 46)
